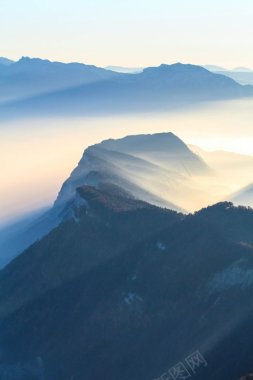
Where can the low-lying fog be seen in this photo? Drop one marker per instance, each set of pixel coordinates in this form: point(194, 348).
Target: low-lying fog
point(38, 155)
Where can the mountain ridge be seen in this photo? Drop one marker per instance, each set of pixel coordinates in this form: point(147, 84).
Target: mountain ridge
point(113, 276)
point(141, 154)
point(152, 276)
point(142, 177)
point(163, 87)
point(30, 77)
point(5, 61)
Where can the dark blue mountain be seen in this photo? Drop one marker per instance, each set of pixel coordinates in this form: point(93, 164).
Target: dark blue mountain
point(33, 76)
point(156, 88)
point(126, 290)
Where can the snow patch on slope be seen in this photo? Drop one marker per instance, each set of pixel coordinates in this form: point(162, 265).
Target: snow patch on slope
point(234, 275)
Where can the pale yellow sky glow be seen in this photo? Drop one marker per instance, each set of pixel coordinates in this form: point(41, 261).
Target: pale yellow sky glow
point(129, 33)
point(38, 155)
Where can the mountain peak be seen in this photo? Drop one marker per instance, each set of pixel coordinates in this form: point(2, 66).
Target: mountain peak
point(31, 60)
point(35, 61)
point(163, 141)
point(175, 67)
point(147, 166)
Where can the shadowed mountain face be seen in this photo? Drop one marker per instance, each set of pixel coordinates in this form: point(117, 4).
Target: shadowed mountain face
point(150, 167)
point(156, 88)
point(125, 290)
point(18, 235)
point(159, 169)
point(29, 77)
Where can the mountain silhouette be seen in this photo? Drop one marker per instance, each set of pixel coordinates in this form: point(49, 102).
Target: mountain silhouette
point(5, 61)
point(158, 169)
point(133, 287)
point(155, 88)
point(33, 76)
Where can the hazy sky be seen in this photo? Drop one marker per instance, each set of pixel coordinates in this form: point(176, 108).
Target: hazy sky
point(38, 155)
point(129, 32)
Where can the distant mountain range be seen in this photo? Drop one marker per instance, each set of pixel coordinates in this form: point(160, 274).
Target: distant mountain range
point(242, 75)
point(34, 87)
point(32, 76)
point(236, 69)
